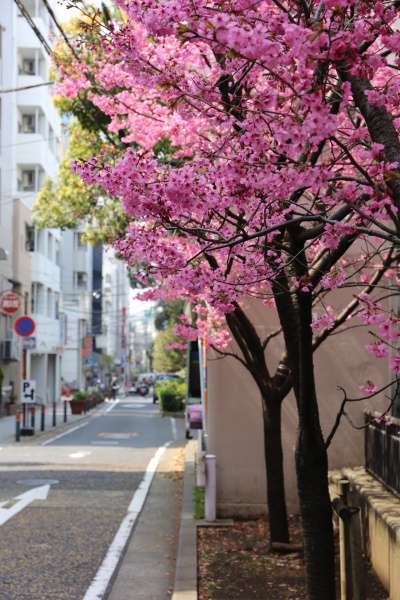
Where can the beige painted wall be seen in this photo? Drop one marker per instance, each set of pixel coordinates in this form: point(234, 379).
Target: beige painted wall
point(235, 420)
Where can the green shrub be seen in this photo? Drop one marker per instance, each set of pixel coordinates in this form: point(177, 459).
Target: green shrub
point(80, 395)
point(171, 395)
point(199, 501)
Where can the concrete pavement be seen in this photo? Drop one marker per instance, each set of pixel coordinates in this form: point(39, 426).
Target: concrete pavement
point(160, 559)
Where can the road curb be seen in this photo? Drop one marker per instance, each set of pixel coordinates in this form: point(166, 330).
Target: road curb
point(185, 584)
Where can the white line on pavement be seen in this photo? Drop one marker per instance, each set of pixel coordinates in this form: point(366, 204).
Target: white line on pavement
point(60, 435)
point(103, 576)
point(105, 442)
point(174, 432)
point(112, 406)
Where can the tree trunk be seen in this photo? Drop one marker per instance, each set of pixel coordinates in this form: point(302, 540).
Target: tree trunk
point(295, 313)
point(316, 516)
point(278, 521)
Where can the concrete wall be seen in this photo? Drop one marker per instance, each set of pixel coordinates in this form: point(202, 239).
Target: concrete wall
point(380, 521)
point(235, 419)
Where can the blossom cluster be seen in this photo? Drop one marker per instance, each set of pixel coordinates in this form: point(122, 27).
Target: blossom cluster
point(260, 106)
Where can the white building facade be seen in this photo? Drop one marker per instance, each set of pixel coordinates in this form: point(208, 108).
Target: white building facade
point(30, 137)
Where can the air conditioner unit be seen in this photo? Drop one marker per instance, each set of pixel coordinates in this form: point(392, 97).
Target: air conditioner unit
point(10, 350)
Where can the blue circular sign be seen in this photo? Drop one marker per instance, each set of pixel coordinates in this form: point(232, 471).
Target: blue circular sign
point(24, 326)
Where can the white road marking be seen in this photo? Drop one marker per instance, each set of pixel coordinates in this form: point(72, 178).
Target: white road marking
point(38, 493)
point(105, 442)
point(60, 435)
point(174, 431)
point(113, 405)
point(79, 454)
point(130, 406)
point(103, 576)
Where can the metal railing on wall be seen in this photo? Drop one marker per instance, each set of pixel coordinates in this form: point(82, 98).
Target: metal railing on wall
point(382, 449)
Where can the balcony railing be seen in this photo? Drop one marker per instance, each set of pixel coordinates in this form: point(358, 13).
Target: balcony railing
point(382, 450)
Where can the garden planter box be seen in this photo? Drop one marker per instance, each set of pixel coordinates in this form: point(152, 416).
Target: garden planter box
point(78, 406)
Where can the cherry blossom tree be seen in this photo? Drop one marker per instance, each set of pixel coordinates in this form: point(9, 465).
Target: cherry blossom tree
point(283, 184)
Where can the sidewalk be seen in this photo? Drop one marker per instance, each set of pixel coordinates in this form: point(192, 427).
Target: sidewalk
point(160, 560)
point(8, 424)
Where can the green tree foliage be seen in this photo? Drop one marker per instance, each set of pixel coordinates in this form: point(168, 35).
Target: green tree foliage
point(167, 359)
point(66, 201)
point(168, 313)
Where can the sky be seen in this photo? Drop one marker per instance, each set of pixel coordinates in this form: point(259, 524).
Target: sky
point(65, 14)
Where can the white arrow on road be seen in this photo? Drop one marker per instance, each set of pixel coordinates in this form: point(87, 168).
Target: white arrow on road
point(38, 493)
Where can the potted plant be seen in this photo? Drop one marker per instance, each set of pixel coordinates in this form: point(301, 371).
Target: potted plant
point(80, 402)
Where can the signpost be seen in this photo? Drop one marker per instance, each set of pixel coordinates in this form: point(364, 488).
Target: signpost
point(28, 391)
point(24, 326)
point(28, 396)
point(9, 302)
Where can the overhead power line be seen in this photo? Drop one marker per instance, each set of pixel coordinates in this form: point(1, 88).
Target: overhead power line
point(33, 26)
point(26, 87)
point(60, 29)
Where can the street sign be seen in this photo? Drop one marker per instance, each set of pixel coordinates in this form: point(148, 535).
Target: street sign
point(24, 326)
point(9, 302)
point(29, 343)
point(28, 391)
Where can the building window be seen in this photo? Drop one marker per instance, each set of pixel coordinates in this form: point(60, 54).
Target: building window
point(28, 182)
point(29, 238)
point(28, 124)
point(57, 257)
point(80, 280)
point(78, 240)
point(28, 66)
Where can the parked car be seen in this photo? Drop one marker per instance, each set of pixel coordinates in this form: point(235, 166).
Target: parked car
point(160, 378)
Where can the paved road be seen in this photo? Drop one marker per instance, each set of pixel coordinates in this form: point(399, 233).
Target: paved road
point(63, 499)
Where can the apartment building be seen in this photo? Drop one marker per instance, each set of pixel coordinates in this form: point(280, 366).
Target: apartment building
point(30, 147)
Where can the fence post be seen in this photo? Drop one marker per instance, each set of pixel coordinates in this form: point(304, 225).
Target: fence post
point(357, 565)
point(345, 561)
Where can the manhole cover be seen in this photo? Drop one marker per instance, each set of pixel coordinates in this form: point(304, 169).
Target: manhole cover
point(38, 481)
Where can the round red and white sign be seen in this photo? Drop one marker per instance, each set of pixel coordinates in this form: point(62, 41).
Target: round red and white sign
point(9, 302)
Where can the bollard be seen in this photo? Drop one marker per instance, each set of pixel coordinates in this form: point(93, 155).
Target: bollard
point(357, 564)
point(33, 418)
point(42, 416)
point(65, 411)
point(17, 426)
point(211, 488)
point(54, 414)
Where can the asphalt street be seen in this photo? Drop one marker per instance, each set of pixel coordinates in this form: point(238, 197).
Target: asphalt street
point(66, 498)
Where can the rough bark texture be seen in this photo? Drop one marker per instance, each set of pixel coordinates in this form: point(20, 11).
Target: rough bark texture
point(295, 312)
point(278, 522)
point(379, 122)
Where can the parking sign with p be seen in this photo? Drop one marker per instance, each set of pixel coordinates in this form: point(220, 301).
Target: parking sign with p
point(28, 391)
